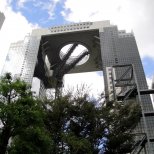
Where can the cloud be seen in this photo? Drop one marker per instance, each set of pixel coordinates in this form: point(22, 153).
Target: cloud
point(93, 81)
point(48, 6)
point(15, 27)
point(20, 3)
point(149, 82)
point(136, 15)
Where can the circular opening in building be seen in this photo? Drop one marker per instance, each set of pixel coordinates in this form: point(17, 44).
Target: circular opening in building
point(76, 50)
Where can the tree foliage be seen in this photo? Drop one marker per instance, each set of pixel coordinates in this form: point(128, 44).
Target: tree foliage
point(22, 118)
point(68, 124)
point(77, 126)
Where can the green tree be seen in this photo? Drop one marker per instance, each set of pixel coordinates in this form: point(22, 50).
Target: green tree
point(68, 124)
point(77, 126)
point(121, 120)
point(22, 119)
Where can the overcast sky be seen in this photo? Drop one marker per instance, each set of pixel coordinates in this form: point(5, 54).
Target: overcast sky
point(132, 15)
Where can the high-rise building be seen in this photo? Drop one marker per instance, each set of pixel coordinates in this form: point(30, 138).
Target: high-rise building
point(15, 59)
point(49, 54)
point(2, 18)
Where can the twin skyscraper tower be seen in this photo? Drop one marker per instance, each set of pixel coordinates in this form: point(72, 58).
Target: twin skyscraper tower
point(49, 54)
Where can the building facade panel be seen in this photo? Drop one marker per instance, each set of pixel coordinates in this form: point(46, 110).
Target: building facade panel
point(119, 48)
point(15, 58)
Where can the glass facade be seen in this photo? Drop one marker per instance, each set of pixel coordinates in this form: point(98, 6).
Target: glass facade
point(119, 48)
point(15, 58)
point(30, 59)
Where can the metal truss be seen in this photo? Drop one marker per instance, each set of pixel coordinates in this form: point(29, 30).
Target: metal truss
point(126, 80)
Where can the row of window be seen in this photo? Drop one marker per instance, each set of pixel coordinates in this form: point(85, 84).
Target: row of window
point(72, 25)
point(126, 35)
point(69, 29)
